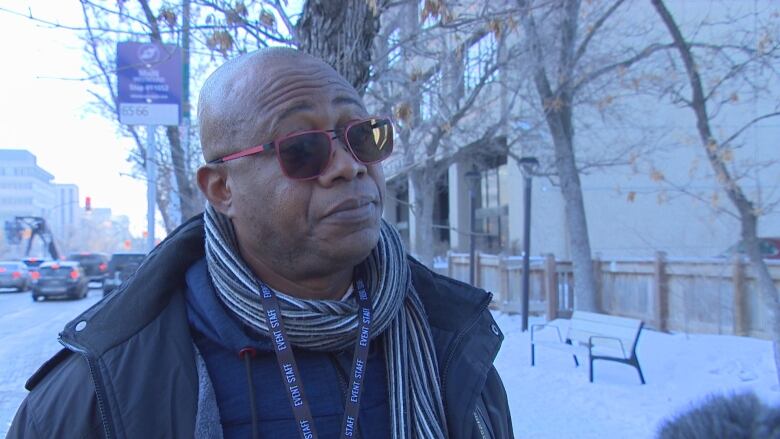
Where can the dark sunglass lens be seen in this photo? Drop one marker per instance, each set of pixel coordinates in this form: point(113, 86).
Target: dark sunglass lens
point(304, 155)
point(371, 140)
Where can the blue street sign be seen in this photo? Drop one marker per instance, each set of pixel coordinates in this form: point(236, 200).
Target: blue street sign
point(149, 83)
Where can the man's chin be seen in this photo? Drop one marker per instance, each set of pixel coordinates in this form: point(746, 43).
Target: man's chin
point(353, 247)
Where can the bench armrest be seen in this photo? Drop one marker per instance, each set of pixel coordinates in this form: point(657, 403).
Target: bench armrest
point(592, 337)
point(542, 326)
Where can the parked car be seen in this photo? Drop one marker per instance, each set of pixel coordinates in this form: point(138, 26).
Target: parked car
point(95, 265)
point(15, 275)
point(120, 267)
point(60, 279)
point(770, 248)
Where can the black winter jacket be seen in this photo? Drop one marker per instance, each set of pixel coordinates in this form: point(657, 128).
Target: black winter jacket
point(128, 368)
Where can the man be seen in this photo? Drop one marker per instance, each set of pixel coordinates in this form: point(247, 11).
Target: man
point(290, 309)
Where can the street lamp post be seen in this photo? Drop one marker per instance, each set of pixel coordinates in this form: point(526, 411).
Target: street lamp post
point(472, 177)
point(528, 165)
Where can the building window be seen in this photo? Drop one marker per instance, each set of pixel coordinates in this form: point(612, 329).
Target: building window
point(17, 186)
point(402, 212)
point(480, 58)
point(494, 186)
point(16, 201)
point(393, 47)
point(429, 99)
point(493, 212)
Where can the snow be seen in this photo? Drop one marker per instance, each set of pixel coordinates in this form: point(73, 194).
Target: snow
point(551, 400)
point(555, 400)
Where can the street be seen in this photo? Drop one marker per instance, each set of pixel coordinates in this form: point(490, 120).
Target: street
point(28, 337)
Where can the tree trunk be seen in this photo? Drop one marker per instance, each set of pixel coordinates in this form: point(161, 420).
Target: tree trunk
point(558, 112)
point(188, 195)
point(162, 206)
point(341, 33)
point(766, 285)
point(576, 221)
point(423, 189)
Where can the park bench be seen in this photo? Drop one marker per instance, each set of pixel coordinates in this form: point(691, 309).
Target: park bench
point(600, 336)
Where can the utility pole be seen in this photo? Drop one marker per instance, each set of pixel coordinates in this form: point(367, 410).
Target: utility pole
point(184, 129)
point(151, 184)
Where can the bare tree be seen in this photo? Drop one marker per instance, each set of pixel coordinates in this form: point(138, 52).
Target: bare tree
point(440, 104)
point(449, 109)
point(420, 78)
point(562, 75)
point(740, 63)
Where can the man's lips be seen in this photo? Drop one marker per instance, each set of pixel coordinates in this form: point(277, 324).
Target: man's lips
point(352, 209)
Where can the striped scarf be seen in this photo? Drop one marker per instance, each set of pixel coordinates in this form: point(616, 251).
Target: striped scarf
point(416, 409)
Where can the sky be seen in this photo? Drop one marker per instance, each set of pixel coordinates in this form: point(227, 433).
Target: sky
point(48, 115)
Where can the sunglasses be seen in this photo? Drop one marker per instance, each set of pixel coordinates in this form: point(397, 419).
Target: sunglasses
point(305, 155)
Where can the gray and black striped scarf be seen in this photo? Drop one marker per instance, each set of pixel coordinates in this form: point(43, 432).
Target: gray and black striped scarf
point(415, 399)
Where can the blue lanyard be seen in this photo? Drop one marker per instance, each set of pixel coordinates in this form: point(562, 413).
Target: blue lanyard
point(289, 369)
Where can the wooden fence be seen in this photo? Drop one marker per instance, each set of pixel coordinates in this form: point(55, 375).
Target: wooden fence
point(717, 296)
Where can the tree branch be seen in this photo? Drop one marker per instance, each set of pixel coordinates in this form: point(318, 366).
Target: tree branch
point(287, 22)
point(748, 125)
point(594, 29)
point(699, 106)
point(647, 51)
point(54, 25)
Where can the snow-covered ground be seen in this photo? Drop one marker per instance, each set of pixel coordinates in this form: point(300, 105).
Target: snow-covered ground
point(555, 400)
point(551, 400)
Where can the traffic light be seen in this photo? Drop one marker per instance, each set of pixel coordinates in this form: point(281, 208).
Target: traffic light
point(88, 204)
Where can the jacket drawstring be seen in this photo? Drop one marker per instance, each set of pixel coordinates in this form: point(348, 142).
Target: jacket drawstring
point(247, 354)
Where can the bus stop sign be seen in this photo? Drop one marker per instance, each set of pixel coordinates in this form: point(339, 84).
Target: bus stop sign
point(149, 80)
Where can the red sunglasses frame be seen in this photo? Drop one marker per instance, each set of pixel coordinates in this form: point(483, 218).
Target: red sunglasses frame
point(274, 144)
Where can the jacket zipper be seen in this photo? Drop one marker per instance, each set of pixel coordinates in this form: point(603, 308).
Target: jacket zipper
point(99, 393)
point(455, 344)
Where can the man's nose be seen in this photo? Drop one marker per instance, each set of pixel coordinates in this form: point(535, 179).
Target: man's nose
point(343, 165)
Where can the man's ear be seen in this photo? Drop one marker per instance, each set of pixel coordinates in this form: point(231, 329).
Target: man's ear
point(212, 181)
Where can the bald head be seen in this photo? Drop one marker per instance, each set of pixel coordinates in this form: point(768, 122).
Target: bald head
point(235, 94)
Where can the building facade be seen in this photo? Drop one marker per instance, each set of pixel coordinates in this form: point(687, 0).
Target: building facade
point(658, 193)
point(65, 215)
point(26, 189)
